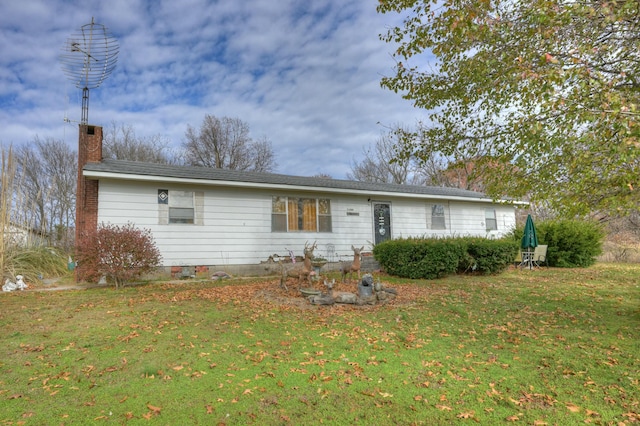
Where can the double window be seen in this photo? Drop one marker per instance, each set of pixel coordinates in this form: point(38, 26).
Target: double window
point(290, 214)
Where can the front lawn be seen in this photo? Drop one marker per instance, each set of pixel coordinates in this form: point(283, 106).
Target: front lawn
point(550, 346)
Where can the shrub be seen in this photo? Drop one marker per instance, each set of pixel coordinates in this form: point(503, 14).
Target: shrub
point(487, 256)
point(119, 253)
point(572, 243)
point(437, 257)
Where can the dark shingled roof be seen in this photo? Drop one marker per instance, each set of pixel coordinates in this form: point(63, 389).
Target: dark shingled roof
point(222, 175)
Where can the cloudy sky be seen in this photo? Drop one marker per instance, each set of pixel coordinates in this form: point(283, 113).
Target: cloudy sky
point(304, 74)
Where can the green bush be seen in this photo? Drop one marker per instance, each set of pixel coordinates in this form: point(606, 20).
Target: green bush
point(571, 243)
point(432, 258)
point(486, 256)
point(418, 258)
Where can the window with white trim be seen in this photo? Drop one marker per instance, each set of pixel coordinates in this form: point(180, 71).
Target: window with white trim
point(180, 207)
point(438, 220)
point(289, 214)
point(490, 219)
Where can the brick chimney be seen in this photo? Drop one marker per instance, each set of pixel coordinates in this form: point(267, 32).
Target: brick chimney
point(89, 151)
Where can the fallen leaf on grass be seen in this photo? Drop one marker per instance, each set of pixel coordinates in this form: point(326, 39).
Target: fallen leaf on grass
point(592, 413)
point(573, 408)
point(153, 408)
point(466, 415)
point(443, 407)
point(209, 409)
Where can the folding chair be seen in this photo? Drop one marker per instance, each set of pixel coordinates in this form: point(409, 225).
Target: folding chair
point(540, 255)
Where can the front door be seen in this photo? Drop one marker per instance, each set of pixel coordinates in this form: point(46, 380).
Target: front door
point(381, 222)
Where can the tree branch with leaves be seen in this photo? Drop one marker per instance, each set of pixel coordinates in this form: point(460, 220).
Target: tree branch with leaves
point(548, 88)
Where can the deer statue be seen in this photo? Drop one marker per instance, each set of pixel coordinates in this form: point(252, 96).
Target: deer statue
point(353, 266)
point(300, 271)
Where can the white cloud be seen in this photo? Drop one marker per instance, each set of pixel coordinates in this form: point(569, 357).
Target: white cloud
point(303, 74)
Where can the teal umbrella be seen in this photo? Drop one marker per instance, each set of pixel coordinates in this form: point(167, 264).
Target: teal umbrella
point(529, 241)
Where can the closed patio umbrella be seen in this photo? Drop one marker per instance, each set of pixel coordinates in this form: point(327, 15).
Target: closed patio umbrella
point(529, 241)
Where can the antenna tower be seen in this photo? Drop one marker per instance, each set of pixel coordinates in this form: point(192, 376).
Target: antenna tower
point(88, 58)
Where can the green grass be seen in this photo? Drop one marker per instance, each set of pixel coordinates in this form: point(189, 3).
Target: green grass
point(540, 347)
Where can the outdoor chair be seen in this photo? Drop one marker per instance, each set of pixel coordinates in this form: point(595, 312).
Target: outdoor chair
point(540, 255)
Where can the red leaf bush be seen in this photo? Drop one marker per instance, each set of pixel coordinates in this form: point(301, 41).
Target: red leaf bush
point(120, 253)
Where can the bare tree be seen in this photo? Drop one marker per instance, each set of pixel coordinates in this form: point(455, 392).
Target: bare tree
point(384, 163)
point(47, 174)
point(224, 143)
point(121, 143)
point(263, 157)
point(33, 188)
point(322, 175)
point(61, 165)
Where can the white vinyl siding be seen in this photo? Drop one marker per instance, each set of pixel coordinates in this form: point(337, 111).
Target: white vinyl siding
point(233, 226)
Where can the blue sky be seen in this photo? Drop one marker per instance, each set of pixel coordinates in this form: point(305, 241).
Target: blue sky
point(304, 74)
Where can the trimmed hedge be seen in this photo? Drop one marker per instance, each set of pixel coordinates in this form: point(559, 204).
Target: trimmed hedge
point(572, 243)
point(489, 256)
point(432, 258)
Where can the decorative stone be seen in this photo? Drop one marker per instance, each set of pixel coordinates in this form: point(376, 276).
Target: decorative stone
point(321, 299)
point(344, 297)
point(365, 288)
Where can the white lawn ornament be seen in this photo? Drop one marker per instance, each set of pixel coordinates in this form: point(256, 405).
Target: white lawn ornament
point(20, 282)
point(11, 286)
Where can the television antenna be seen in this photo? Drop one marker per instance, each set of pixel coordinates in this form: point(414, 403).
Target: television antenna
point(88, 58)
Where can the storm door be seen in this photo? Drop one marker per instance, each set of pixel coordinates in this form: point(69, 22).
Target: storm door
point(381, 222)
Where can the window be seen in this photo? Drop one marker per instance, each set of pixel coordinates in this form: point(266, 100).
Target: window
point(437, 217)
point(185, 207)
point(490, 219)
point(181, 207)
point(279, 214)
point(324, 216)
point(290, 214)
